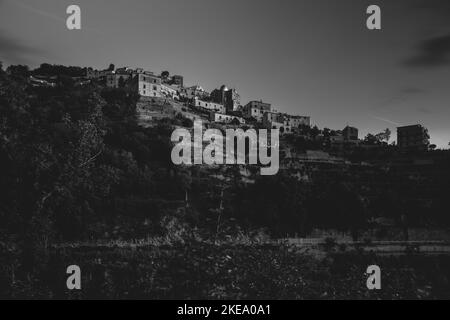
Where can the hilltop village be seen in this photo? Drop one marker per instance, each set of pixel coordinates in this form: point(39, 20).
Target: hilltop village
point(222, 105)
point(166, 96)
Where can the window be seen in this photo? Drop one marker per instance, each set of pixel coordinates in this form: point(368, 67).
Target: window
point(144, 86)
point(155, 88)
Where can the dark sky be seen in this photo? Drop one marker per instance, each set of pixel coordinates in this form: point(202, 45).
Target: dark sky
point(307, 57)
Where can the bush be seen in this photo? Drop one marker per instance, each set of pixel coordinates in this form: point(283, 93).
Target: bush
point(330, 243)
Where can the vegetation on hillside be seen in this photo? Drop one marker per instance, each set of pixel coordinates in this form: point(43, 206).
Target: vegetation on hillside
point(205, 271)
point(75, 166)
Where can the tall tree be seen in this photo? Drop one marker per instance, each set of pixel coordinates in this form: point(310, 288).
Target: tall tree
point(165, 75)
point(384, 136)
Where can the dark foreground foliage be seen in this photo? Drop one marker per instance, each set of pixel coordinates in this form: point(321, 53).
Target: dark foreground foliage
point(206, 271)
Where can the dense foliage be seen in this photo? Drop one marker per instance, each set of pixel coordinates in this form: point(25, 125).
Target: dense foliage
point(225, 272)
point(75, 165)
point(73, 158)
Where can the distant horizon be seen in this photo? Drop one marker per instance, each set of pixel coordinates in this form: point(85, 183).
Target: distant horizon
point(304, 57)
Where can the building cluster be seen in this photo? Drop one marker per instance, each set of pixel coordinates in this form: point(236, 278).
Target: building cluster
point(223, 104)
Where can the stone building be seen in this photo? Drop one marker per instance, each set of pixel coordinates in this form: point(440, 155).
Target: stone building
point(224, 118)
point(209, 105)
point(228, 97)
point(194, 92)
point(118, 78)
point(147, 84)
point(177, 80)
point(413, 138)
point(273, 120)
point(256, 110)
point(350, 133)
point(296, 121)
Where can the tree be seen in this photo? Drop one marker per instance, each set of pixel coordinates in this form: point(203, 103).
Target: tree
point(121, 82)
point(384, 136)
point(65, 81)
point(111, 67)
point(235, 122)
point(371, 139)
point(304, 129)
point(379, 138)
point(186, 122)
point(315, 131)
point(165, 75)
point(326, 132)
point(2, 72)
point(18, 70)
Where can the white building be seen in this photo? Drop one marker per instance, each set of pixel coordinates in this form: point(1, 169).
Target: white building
point(209, 105)
point(224, 118)
point(170, 90)
point(148, 85)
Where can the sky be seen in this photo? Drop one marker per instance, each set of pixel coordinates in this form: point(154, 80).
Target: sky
point(305, 57)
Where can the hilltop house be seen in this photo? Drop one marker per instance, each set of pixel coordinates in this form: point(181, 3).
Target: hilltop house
point(413, 138)
point(228, 97)
point(209, 105)
point(273, 120)
point(118, 78)
point(256, 110)
point(296, 121)
point(350, 133)
point(177, 80)
point(194, 92)
point(148, 85)
point(225, 118)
